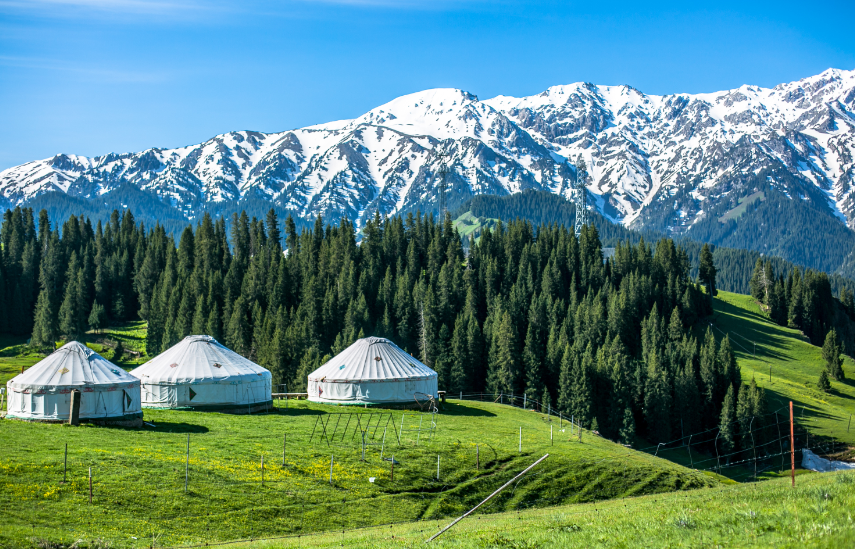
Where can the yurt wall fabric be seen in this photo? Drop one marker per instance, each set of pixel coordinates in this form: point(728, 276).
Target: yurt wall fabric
point(43, 392)
point(373, 371)
point(200, 373)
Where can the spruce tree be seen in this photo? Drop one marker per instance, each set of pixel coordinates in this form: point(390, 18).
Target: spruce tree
point(832, 351)
point(727, 427)
point(824, 384)
point(707, 271)
point(97, 317)
point(627, 430)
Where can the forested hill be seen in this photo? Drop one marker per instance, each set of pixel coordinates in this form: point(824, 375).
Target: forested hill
point(534, 311)
point(542, 208)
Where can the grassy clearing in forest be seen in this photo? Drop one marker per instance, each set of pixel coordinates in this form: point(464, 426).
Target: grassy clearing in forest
point(139, 474)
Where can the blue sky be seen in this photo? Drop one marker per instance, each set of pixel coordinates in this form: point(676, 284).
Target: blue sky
point(96, 76)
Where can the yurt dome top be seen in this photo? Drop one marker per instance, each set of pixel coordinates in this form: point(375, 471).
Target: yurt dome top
point(72, 365)
point(372, 359)
point(199, 359)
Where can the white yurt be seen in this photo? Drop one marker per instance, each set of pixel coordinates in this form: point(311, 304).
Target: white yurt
point(200, 374)
point(108, 394)
point(372, 371)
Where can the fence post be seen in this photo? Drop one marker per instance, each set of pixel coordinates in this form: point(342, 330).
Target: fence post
point(90, 484)
point(792, 446)
point(691, 461)
point(753, 447)
point(525, 400)
point(187, 465)
point(65, 464)
point(717, 458)
point(461, 395)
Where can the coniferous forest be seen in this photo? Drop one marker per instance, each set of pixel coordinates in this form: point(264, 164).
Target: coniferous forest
point(613, 343)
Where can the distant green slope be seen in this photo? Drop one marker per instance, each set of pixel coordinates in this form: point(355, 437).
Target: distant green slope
point(795, 365)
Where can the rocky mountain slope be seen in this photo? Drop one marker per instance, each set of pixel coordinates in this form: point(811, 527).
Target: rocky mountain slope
point(684, 164)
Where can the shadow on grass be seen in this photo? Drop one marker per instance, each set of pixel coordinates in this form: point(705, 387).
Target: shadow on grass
point(171, 427)
point(297, 412)
point(449, 409)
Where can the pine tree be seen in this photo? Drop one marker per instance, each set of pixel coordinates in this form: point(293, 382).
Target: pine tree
point(657, 400)
point(45, 330)
point(707, 271)
point(710, 388)
point(627, 430)
point(726, 361)
point(824, 384)
point(506, 360)
point(832, 355)
point(565, 382)
point(727, 434)
point(97, 317)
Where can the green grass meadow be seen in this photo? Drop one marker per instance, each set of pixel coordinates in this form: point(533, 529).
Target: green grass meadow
point(139, 474)
point(589, 493)
point(816, 514)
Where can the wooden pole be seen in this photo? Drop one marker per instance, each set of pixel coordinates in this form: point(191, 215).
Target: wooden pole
point(90, 485)
point(187, 465)
point(505, 485)
point(792, 447)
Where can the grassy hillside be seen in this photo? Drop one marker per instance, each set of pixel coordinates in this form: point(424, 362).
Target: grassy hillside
point(817, 513)
point(139, 474)
point(795, 366)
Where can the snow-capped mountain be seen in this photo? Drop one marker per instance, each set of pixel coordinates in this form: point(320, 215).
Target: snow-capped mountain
point(665, 162)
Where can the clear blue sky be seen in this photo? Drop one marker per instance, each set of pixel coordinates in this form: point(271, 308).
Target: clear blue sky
point(94, 76)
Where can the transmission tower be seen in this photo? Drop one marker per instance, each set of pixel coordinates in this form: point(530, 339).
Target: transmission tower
point(442, 172)
point(581, 197)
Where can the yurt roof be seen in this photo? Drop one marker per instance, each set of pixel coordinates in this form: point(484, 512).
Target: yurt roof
point(198, 358)
point(372, 359)
point(73, 364)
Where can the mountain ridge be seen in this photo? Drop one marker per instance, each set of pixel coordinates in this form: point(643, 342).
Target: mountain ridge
point(671, 163)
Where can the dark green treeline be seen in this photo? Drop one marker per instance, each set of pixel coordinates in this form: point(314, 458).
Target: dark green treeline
point(534, 311)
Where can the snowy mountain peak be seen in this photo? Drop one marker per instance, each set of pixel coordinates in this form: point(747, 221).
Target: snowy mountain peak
point(655, 160)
